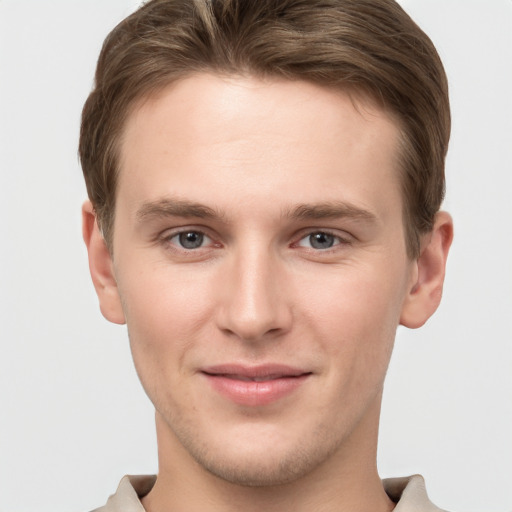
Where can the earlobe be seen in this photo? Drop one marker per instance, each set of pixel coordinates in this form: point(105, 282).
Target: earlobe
point(426, 290)
point(101, 268)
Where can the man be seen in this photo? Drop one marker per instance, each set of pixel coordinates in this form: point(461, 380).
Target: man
point(265, 181)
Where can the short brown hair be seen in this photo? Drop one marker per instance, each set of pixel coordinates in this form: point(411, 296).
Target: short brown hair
point(370, 46)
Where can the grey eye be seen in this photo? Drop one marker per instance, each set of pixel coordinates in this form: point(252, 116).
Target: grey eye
point(191, 239)
point(321, 240)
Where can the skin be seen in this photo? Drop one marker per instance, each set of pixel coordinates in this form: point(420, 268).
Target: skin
point(263, 170)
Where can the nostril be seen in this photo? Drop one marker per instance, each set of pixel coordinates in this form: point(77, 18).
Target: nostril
point(252, 334)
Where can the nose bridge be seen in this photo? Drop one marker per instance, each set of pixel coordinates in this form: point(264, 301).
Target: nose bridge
point(254, 304)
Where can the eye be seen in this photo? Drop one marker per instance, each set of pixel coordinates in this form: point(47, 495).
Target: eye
point(320, 240)
point(190, 240)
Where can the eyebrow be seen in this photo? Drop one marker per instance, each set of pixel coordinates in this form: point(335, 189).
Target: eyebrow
point(330, 210)
point(164, 208)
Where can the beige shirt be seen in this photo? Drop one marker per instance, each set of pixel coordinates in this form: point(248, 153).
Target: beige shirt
point(409, 493)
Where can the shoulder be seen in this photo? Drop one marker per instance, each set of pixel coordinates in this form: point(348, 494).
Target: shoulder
point(128, 494)
point(410, 494)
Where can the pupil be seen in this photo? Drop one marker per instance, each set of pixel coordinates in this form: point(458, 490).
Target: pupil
point(321, 240)
point(191, 240)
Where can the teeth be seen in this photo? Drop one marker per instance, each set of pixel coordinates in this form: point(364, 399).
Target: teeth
point(253, 379)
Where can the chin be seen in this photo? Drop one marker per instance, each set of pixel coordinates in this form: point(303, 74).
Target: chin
point(262, 464)
point(259, 473)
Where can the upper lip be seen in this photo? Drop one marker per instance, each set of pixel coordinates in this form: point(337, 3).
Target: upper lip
point(251, 372)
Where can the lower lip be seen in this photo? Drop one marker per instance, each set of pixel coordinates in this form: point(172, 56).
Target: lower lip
point(253, 393)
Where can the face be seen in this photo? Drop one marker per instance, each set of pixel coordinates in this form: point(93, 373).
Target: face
point(260, 260)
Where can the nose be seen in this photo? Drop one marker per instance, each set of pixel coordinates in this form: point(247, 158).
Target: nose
point(254, 302)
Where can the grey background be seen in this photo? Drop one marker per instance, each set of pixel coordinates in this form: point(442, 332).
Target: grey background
point(73, 418)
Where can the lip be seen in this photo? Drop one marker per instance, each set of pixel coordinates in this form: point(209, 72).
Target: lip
point(255, 385)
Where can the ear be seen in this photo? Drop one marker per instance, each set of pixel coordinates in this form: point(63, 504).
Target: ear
point(426, 288)
point(101, 267)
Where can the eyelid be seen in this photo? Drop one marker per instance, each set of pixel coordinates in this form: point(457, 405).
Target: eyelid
point(343, 238)
point(205, 239)
point(167, 235)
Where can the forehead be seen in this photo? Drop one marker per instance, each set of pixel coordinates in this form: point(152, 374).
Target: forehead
point(207, 135)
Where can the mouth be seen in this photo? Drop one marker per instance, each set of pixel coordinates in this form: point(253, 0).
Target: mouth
point(255, 385)
point(244, 378)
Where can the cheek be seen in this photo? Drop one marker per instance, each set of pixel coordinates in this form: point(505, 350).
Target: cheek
point(165, 312)
point(356, 314)
point(345, 299)
point(163, 299)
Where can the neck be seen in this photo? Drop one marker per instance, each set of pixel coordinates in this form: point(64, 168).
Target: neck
point(348, 481)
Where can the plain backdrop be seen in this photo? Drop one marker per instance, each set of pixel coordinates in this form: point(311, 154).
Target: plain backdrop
point(73, 417)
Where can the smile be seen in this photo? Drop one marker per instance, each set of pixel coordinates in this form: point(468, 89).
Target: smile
point(255, 386)
point(253, 379)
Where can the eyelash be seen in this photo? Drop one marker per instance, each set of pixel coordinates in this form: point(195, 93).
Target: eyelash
point(167, 238)
point(338, 240)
